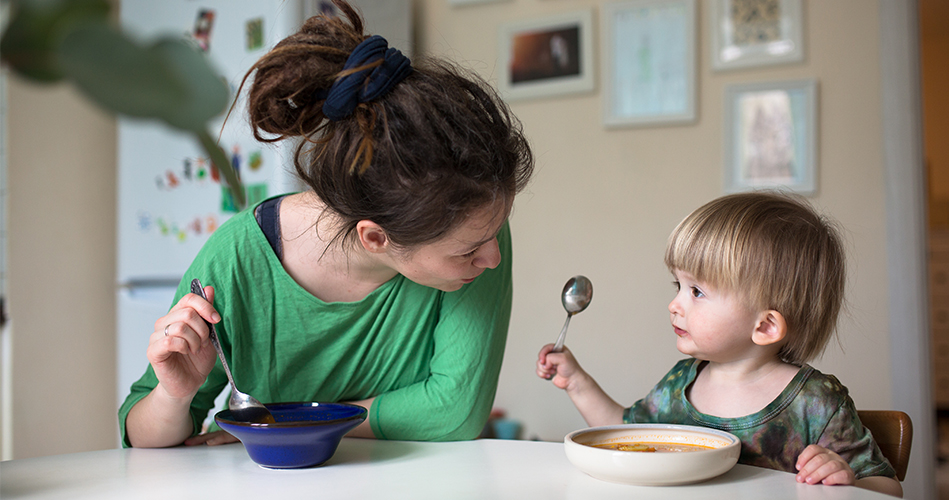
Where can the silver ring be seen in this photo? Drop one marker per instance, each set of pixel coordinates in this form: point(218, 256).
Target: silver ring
point(166, 329)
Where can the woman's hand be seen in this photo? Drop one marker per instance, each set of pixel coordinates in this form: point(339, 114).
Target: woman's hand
point(211, 439)
point(179, 350)
point(818, 465)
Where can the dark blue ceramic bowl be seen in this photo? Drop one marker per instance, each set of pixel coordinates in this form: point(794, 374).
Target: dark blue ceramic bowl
point(305, 434)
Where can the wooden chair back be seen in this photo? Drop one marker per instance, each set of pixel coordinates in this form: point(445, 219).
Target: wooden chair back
point(893, 432)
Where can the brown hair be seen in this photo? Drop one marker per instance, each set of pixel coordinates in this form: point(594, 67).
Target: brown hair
point(775, 252)
point(416, 161)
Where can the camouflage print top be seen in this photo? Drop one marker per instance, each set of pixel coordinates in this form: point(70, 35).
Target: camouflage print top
point(813, 409)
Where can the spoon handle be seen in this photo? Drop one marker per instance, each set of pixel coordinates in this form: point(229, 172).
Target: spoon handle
point(563, 335)
point(198, 289)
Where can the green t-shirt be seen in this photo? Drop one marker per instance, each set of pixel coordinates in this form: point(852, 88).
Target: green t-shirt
point(813, 409)
point(430, 358)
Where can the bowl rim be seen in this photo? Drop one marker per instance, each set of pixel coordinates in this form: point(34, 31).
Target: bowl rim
point(359, 416)
point(734, 440)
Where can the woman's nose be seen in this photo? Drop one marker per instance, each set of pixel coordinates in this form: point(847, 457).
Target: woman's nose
point(489, 255)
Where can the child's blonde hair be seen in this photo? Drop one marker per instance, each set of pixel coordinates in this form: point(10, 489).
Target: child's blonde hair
point(775, 252)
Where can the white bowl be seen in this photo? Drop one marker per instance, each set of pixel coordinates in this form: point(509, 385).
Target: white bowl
point(652, 469)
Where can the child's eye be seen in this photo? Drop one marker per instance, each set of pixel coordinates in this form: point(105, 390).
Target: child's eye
point(676, 284)
point(697, 293)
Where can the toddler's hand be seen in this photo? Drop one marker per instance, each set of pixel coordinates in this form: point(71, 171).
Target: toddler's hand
point(819, 465)
point(558, 367)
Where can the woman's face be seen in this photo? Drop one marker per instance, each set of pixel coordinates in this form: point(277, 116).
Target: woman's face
point(462, 255)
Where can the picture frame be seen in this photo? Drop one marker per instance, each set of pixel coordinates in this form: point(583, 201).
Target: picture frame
point(771, 136)
point(547, 56)
point(748, 33)
point(649, 62)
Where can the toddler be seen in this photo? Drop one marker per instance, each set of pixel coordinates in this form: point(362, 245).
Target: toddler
point(759, 283)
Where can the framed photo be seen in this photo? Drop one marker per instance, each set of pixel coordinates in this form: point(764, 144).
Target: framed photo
point(648, 62)
point(546, 57)
point(771, 136)
point(749, 33)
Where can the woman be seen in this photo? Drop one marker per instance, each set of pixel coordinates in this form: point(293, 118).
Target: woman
point(386, 284)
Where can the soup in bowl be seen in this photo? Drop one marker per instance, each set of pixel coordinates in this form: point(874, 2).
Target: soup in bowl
point(652, 454)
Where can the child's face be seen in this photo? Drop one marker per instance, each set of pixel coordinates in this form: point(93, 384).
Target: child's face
point(709, 323)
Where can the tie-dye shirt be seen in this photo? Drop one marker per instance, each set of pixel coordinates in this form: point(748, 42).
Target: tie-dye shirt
point(813, 409)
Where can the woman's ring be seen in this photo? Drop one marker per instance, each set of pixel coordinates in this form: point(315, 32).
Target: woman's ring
point(166, 329)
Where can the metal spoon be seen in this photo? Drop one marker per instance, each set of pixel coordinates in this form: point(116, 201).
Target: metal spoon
point(243, 406)
point(576, 296)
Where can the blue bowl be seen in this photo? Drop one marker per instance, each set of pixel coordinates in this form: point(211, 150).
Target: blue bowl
point(305, 434)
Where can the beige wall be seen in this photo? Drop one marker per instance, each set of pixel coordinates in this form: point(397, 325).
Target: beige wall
point(602, 204)
point(61, 174)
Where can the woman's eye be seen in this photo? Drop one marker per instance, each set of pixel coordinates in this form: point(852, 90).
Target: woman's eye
point(697, 293)
point(469, 254)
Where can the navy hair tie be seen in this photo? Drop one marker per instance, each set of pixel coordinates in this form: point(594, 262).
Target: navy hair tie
point(350, 90)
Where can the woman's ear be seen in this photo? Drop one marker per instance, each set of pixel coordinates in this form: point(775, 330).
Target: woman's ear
point(770, 328)
point(372, 237)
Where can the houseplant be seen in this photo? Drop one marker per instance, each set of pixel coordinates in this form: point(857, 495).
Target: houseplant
point(48, 41)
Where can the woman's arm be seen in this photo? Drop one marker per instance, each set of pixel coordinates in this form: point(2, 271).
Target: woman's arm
point(180, 358)
point(454, 401)
point(363, 430)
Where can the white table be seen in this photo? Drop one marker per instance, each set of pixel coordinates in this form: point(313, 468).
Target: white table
point(370, 469)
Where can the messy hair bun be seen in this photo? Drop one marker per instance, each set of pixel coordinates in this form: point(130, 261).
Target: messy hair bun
point(436, 146)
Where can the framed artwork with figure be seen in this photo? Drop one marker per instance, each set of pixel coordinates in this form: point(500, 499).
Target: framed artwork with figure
point(771, 136)
point(648, 62)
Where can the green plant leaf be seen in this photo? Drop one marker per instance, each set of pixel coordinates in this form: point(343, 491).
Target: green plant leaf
point(206, 93)
point(168, 80)
point(219, 159)
point(118, 74)
point(30, 42)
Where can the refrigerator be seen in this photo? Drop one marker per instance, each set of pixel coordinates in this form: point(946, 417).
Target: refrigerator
point(169, 198)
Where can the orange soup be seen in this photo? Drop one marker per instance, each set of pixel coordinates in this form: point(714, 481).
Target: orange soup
point(653, 447)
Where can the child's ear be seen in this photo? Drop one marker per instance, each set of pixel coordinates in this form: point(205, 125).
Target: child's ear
point(770, 328)
point(372, 237)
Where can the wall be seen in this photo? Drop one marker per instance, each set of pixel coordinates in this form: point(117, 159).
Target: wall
point(62, 271)
point(602, 204)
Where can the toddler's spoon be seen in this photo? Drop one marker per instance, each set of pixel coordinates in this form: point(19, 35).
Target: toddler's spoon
point(576, 296)
point(243, 406)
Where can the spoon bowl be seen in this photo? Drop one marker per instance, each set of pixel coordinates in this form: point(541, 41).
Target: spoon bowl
point(576, 296)
point(243, 406)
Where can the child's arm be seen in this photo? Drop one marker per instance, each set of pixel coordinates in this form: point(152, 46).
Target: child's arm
point(596, 407)
point(818, 465)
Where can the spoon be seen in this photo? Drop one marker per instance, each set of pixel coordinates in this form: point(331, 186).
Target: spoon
point(576, 296)
point(243, 406)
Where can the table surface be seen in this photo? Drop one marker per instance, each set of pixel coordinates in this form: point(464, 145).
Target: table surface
point(367, 468)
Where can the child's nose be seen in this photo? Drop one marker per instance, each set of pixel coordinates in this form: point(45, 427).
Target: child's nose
point(674, 307)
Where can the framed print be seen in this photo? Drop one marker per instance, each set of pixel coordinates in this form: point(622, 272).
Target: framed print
point(546, 57)
point(749, 33)
point(648, 62)
point(771, 136)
